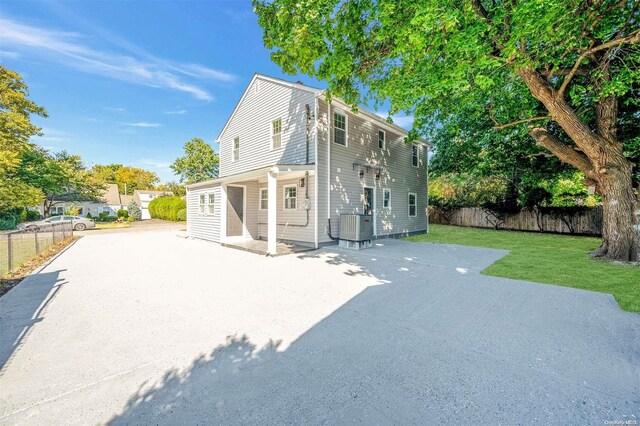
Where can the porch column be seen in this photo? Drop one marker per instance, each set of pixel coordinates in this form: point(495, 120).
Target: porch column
point(271, 215)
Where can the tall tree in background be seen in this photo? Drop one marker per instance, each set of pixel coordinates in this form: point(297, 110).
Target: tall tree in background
point(199, 163)
point(16, 129)
point(127, 178)
point(564, 66)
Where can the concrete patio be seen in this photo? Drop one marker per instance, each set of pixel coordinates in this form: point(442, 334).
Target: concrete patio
point(164, 330)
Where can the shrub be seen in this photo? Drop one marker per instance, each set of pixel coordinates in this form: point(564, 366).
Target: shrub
point(32, 215)
point(102, 217)
point(72, 211)
point(8, 222)
point(123, 213)
point(182, 214)
point(130, 219)
point(134, 211)
point(167, 208)
point(89, 216)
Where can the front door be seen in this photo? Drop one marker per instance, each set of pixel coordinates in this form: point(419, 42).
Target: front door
point(368, 200)
point(235, 210)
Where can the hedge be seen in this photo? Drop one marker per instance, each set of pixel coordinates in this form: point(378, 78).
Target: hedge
point(168, 208)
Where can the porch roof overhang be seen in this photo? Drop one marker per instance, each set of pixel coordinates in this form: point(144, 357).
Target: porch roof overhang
point(280, 169)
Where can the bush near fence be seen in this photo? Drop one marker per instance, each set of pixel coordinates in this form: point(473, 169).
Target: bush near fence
point(18, 247)
point(583, 220)
point(167, 208)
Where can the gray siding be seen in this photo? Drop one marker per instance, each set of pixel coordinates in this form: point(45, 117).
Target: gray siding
point(397, 174)
point(252, 124)
point(286, 218)
point(206, 227)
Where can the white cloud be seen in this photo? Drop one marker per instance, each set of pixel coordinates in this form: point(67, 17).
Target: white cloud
point(136, 66)
point(50, 135)
point(8, 54)
point(153, 163)
point(116, 109)
point(143, 124)
point(179, 112)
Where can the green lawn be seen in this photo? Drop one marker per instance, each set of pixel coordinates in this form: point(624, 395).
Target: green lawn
point(547, 258)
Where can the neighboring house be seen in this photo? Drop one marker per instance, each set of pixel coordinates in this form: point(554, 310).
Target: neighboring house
point(110, 202)
point(143, 197)
point(291, 164)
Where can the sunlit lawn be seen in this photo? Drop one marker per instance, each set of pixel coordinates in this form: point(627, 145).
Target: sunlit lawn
point(112, 225)
point(548, 258)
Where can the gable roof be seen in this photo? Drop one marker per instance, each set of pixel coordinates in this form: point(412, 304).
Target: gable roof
point(317, 92)
point(279, 81)
point(111, 194)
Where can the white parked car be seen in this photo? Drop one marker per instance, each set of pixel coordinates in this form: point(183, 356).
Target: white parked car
point(79, 223)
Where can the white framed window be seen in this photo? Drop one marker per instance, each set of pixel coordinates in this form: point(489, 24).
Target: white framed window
point(264, 199)
point(386, 198)
point(290, 197)
point(212, 203)
point(236, 149)
point(413, 207)
point(276, 134)
point(340, 129)
point(415, 155)
point(382, 139)
point(202, 204)
point(56, 210)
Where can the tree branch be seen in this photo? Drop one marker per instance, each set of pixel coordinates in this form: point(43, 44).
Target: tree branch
point(566, 153)
point(525, 120)
point(632, 38)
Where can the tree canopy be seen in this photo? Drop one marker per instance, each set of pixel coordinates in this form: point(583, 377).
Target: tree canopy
point(561, 71)
point(200, 162)
point(128, 178)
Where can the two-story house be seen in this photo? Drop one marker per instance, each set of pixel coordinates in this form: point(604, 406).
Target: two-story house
point(291, 163)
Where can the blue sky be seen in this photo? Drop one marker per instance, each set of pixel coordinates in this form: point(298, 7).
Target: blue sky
point(131, 81)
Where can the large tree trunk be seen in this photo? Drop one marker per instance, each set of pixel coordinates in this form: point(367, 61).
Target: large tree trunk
point(599, 155)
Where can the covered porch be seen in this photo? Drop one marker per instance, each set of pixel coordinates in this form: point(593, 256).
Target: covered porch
point(270, 210)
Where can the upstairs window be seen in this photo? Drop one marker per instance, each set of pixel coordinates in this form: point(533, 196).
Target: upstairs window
point(386, 198)
point(264, 199)
point(340, 129)
point(212, 203)
point(412, 205)
point(415, 159)
point(381, 139)
point(290, 197)
point(203, 203)
point(236, 149)
point(276, 134)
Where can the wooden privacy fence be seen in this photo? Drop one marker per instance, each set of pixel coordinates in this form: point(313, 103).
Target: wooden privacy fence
point(587, 221)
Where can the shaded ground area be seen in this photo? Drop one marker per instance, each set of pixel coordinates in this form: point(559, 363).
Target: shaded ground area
point(184, 331)
point(548, 258)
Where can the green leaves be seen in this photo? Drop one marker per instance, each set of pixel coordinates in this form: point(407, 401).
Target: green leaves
point(199, 163)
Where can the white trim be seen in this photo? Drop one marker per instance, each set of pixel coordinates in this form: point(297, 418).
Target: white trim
point(210, 204)
point(389, 191)
point(384, 140)
point(346, 127)
point(202, 207)
point(415, 198)
point(417, 147)
point(233, 149)
point(254, 174)
point(273, 134)
point(315, 91)
point(315, 180)
point(245, 231)
point(284, 196)
point(260, 198)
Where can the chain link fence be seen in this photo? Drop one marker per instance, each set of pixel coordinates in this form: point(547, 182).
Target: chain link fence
point(17, 247)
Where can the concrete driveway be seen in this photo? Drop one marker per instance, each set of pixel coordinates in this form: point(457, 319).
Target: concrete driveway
point(149, 328)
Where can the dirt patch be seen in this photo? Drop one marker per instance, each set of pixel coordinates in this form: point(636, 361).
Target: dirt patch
point(13, 279)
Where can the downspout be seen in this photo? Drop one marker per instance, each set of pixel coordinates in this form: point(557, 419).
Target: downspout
point(308, 111)
point(427, 171)
point(329, 170)
point(315, 179)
